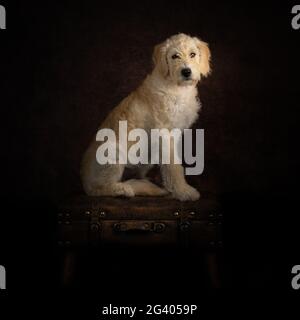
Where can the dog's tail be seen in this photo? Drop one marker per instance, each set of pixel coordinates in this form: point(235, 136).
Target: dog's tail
point(143, 187)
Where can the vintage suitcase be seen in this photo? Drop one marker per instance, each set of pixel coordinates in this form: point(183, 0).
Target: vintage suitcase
point(93, 224)
point(140, 221)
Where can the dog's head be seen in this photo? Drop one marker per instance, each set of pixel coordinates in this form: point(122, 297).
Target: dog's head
point(182, 59)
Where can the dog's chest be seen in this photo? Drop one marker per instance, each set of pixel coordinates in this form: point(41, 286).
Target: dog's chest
point(182, 110)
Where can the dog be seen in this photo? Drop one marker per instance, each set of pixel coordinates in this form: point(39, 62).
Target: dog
point(167, 98)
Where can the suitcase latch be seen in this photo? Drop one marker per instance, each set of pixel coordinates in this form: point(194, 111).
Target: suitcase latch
point(139, 227)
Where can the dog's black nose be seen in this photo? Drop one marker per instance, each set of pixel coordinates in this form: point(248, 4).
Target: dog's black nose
point(186, 72)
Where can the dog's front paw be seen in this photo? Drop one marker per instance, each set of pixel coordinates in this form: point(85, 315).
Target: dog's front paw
point(186, 193)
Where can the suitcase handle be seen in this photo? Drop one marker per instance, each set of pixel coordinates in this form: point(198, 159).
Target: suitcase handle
point(139, 227)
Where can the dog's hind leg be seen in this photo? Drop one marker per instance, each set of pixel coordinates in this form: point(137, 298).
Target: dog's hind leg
point(143, 187)
point(106, 181)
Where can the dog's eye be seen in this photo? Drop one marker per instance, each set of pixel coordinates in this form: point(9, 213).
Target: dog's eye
point(175, 56)
point(193, 54)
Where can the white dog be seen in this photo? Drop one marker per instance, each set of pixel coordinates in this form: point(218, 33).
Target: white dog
point(167, 98)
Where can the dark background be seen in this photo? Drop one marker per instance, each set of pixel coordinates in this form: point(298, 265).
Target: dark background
point(70, 64)
point(66, 65)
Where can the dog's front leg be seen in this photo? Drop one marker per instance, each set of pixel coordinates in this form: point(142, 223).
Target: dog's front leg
point(174, 182)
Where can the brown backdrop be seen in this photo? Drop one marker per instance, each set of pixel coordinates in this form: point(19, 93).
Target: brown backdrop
point(73, 63)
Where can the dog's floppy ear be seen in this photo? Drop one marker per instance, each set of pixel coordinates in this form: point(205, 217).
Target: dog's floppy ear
point(160, 58)
point(205, 56)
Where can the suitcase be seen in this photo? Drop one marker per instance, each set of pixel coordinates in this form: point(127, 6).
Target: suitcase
point(140, 221)
point(86, 222)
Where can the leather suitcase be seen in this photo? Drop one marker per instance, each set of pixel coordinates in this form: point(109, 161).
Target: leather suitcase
point(140, 221)
point(87, 226)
